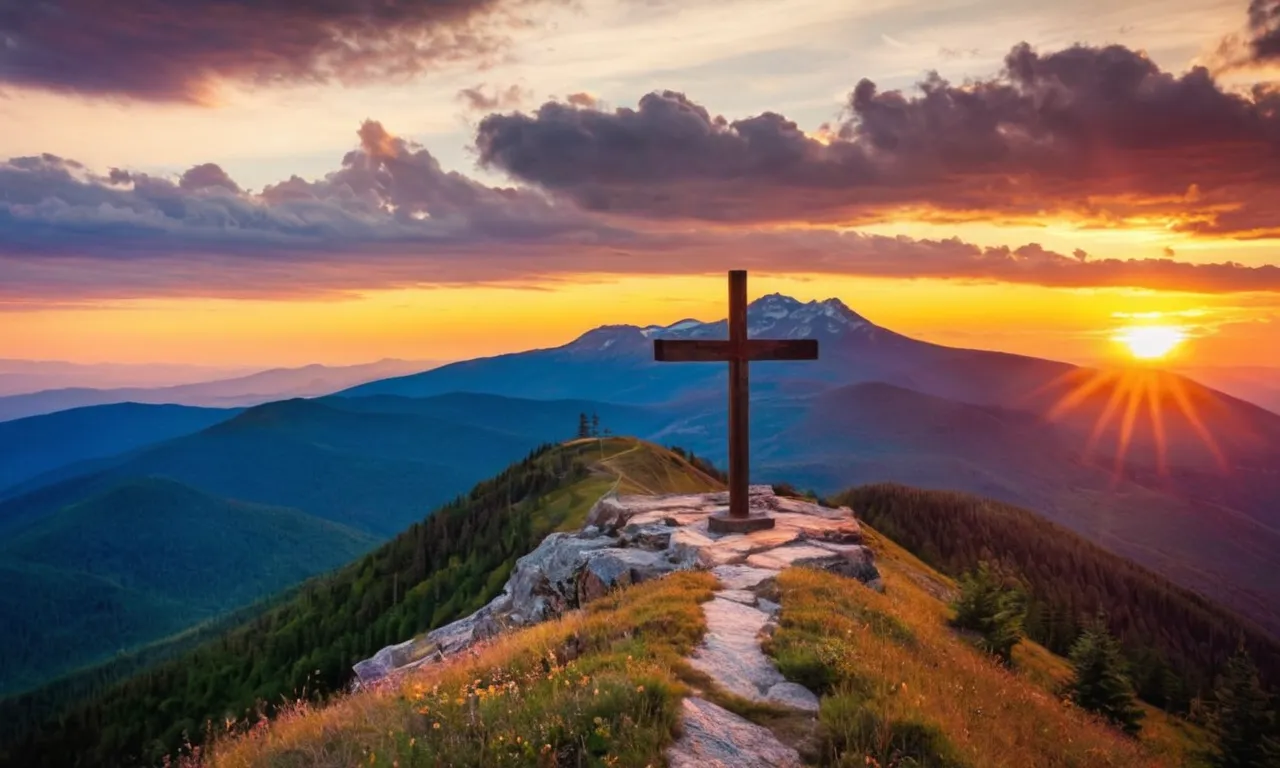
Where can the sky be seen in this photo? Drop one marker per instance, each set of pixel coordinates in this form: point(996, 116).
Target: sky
point(237, 183)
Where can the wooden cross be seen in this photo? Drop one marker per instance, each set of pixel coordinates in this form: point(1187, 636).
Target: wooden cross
point(738, 351)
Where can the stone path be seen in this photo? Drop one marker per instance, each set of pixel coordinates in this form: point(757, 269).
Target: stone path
point(630, 539)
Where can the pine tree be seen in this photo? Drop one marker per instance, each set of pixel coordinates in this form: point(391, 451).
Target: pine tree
point(584, 427)
point(1242, 719)
point(595, 425)
point(1100, 684)
point(991, 609)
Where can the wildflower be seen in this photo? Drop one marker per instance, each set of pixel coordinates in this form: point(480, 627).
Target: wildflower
point(639, 689)
point(435, 726)
point(412, 740)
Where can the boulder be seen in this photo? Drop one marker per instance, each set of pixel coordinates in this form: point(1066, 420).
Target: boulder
point(714, 737)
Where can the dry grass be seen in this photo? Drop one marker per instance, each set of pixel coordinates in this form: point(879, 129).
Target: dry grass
point(901, 688)
point(599, 687)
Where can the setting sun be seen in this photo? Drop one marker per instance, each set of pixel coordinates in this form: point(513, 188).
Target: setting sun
point(1149, 342)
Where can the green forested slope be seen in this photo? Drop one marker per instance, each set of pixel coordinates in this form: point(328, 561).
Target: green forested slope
point(145, 559)
point(449, 564)
point(1176, 640)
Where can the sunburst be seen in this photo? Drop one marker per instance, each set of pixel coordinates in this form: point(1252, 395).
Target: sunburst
point(1133, 390)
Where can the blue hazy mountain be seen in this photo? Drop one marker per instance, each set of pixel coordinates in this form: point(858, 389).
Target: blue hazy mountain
point(32, 446)
point(252, 389)
point(142, 560)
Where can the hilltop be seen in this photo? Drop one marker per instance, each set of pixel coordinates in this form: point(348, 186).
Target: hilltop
point(670, 671)
point(447, 565)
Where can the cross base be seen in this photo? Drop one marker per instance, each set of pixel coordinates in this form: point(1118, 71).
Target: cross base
point(723, 522)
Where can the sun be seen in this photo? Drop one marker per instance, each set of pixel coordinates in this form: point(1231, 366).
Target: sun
point(1151, 342)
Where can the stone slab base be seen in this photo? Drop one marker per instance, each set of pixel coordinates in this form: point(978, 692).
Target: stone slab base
point(722, 522)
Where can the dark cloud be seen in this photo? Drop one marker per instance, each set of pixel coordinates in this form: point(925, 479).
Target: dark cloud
point(484, 98)
point(391, 216)
point(1095, 133)
point(166, 50)
point(1264, 30)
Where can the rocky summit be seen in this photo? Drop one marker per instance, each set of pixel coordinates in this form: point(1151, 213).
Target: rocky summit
point(630, 539)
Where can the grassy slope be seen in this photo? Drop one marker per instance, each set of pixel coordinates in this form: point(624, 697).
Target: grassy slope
point(1169, 631)
point(597, 687)
point(897, 682)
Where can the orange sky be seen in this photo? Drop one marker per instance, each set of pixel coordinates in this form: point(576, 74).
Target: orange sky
point(186, 301)
point(457, 323)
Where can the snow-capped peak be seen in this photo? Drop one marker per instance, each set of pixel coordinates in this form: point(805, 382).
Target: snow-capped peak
point(774, 316)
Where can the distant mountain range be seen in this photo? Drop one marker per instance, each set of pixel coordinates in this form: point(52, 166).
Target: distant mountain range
point(22, 376)
point(252, 389)
point(1151, 464)
point(1191, 496)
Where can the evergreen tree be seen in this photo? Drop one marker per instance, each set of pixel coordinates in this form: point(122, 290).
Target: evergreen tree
point(993, 610)
point(1242, 719)
point(584, 427)
point(595, 425)
point(1100, 684)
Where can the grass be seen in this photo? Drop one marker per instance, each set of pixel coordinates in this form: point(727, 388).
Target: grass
point(900, 688)
point(598, 687)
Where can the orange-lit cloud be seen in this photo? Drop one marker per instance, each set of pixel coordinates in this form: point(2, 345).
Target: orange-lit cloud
point(391, 217)
point(1100, 135)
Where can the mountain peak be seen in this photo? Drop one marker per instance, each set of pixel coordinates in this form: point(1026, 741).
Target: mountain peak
point(775, 315)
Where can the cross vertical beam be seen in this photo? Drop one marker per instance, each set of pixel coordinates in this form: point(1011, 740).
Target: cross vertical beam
point(739, 398)
point(738, 351)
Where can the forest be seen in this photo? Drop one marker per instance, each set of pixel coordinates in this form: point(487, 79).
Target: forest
point(304, 645)
point(1174, 640)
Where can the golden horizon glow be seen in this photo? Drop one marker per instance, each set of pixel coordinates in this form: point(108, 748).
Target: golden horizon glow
point(1151, 342)
point(464, 322)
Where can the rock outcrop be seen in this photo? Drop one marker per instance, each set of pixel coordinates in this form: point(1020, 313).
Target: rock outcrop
point(630, 539)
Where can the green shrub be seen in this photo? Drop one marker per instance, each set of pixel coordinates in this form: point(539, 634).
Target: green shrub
point(993, 610)
point(1100, 684)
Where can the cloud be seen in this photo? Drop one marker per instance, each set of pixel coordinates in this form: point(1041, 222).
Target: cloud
point(390, 216)
point(1099, 135)
point(161, 50)
point(484, 98)
point(1260, 43)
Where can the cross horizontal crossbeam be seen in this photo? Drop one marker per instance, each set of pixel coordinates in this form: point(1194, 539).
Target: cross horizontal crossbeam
point(711, 350)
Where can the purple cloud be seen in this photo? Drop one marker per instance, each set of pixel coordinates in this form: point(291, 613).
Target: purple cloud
point(1095, 133)
point(390, 216)
point(163, 50)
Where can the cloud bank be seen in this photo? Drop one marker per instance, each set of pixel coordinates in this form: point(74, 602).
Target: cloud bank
point(160, 50)
point(390, 216)
point(1101, 135)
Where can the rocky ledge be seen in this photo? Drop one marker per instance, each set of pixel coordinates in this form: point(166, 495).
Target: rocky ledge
point(629, 539)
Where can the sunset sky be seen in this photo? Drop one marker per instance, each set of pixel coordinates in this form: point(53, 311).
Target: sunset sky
point(236, 183)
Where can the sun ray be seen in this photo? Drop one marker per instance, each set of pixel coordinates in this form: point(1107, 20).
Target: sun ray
point(1188, 409)
point(1137, 389)
point(1157, 426)
point(1078, 395)
point(1100, 426)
